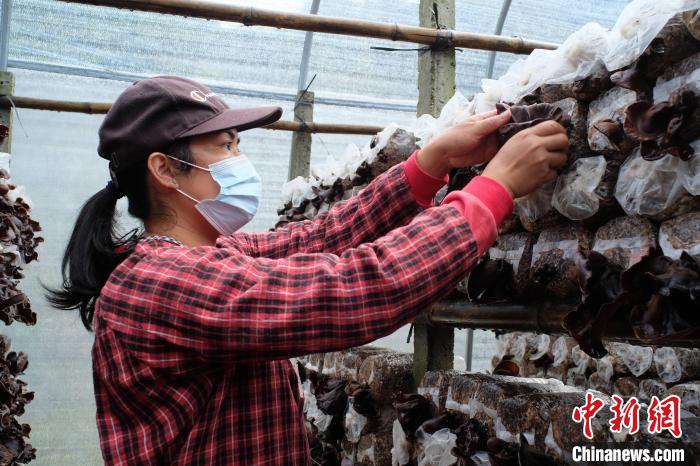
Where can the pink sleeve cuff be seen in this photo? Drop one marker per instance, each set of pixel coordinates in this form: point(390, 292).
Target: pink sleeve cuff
point(484, 203)
point(423, 185)
point(493, 194)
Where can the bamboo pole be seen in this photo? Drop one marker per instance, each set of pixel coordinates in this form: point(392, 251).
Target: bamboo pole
point(249, 16)
point(542, 317)
point(100, 108)
point(93, 108)
point(325, 128)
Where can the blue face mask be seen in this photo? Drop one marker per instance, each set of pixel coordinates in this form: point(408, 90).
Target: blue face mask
point(239, 196)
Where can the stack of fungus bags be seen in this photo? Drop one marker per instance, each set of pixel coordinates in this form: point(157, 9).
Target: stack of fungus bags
point(498, 420)
point(622, 220)
point(340, 179)
point(18, 243)
point(348, 397)
point(616, 236)
point(626, 370)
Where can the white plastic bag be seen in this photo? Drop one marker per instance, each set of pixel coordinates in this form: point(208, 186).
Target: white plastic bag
point(321, 420)
point(300, 189)
point(425, 129)
point(681, 234)
point(401, 451)
point(457, 109)
point(515, 83)
point(297, 190)
point(689, 172)
point(492, 94)
point(648, 188)
point(561, 350)
point(604, 368)
point(638, 359)
point(436, 448)
point(505, 344)
point(667, 365)
point(520, 347)
point(535, 205)
point(524, 344)
point(611, 105)
point(575, 378)
point(689, 394)
point(383, 138)
point(574, 195)
point(651, 387)
point(354, 423)
point(580, 359)
point(689, 175)
point(5, 161)
point(579, 55)
point(525, 76)
point(20, 192)
point(639, 23)
point(678, 76)
point(542, 346)
point(335, 168)
point(577, 58)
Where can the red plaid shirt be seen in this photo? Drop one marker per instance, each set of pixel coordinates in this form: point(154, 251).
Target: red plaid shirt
point(192, 343)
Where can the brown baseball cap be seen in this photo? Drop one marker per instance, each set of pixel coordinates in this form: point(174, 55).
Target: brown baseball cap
point(153, 113)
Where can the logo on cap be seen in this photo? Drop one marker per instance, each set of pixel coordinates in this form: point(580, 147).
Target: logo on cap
point(200, 96)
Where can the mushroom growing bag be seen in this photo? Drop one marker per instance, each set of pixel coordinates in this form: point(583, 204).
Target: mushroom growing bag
point(574, 194)
point(648, 187)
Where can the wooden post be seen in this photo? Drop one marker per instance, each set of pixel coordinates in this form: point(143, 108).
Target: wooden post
point(300, 158)
point(436, 68)
point(433, 347)
point(7, 87)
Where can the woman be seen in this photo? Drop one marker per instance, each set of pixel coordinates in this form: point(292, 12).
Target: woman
point(195, 323)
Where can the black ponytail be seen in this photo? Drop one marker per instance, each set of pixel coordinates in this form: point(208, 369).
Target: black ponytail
point(90, 256)
point(95, 249)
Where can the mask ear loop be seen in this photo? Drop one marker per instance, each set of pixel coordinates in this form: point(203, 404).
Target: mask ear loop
point(187, 195)
point(193, 165)
point(188, 163)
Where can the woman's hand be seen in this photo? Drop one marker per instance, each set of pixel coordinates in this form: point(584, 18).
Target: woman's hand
point(530, 159)
point(471, 142)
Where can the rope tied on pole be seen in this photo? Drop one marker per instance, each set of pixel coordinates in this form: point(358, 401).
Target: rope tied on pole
point(248, 18)
point(420, 50)
point(521, 44)
point(304, 127)
point(443, 40)
point(14, 107)
point(395, 32)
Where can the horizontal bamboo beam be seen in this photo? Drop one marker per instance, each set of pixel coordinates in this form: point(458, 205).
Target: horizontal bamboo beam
point(93, 108)
point(543, 317)
point(100, 108)
point(312, 127)
point(249, 16)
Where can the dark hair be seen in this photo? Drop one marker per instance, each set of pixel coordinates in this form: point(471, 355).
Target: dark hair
point(94, 249)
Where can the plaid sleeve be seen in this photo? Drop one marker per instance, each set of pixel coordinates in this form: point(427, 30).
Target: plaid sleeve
point(388, 202)
point(176, 305)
